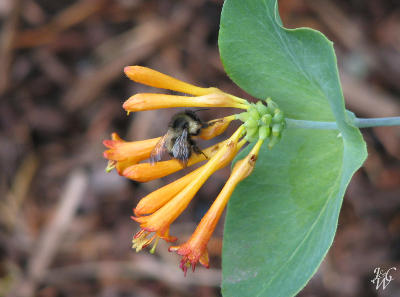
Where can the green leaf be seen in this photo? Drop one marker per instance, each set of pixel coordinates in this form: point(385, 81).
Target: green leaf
point(282, 219)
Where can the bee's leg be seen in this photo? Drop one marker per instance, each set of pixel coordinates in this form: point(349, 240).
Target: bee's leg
point(198, 151)
point(206, 125)
point(183, 163)
point(211, 123)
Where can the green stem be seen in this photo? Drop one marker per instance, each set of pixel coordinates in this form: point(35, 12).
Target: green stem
point(291, 123)
point(360, 123)
point(377, 122)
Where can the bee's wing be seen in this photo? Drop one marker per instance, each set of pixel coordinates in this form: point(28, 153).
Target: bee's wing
point(181, 148)
point(158, 151)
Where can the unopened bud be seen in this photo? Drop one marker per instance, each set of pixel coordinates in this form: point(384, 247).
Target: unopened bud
point(271, 104)
point(242, 116)
point(261, 108)
point(264, 132)
point(251, 123)
point(276, 129)
point(274, 140)
point(252, 134)
point(254, 113)
point(266, 119)
point(278, 116)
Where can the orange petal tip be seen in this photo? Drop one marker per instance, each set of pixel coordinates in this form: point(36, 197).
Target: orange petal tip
point(138, 219)
point(109, 143)
point(137, 212)
point(173, 248)
point(126, 69)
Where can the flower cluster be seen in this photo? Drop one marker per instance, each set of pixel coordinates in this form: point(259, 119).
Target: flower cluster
point(159, 209)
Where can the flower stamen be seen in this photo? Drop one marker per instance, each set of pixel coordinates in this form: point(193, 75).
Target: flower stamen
point(140, 240)
point(153, 249)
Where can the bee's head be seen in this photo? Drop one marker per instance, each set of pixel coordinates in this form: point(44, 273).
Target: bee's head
point(194, 127)
point(194, 123)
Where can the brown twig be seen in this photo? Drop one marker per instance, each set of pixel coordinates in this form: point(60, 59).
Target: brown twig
point(69, 17)
point(52, 234)
point(10, 206)
point(7, 37)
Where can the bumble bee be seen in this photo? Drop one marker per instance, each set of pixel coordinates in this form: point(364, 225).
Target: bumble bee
point(178, 140)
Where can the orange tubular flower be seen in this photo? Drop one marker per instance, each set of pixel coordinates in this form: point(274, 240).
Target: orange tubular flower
point(195, 249)
point(159, 209)
point(206, 97)
point(155, 200)
point(160, 197)
point(216, 127)
point(160, 221)
point(145, 172)
point(122, 154)
point(146, 101)
point(153, 78)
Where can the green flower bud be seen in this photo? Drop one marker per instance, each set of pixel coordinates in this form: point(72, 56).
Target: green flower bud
point(271, 104)
point(251, 123)
point(254, 113)
point(251, 134)
point(274, 140)
point(261, 108)
point(276, 129)
point(264, 132)
point(266, 119)
point(242, 116)
point(278, 116)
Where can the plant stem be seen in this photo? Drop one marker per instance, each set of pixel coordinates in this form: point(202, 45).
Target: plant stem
point(377, 122)
point(360, 123)
point(291, 123)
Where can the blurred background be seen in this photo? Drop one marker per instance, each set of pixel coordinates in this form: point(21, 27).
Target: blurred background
point(65, 227)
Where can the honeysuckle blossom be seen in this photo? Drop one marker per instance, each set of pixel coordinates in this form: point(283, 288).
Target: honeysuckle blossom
point(158, 210)
point(195, 249)
point(122, 154)
point(144, 172)
point(160, 221)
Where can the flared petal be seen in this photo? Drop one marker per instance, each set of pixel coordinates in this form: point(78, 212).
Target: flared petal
point(120, 150)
